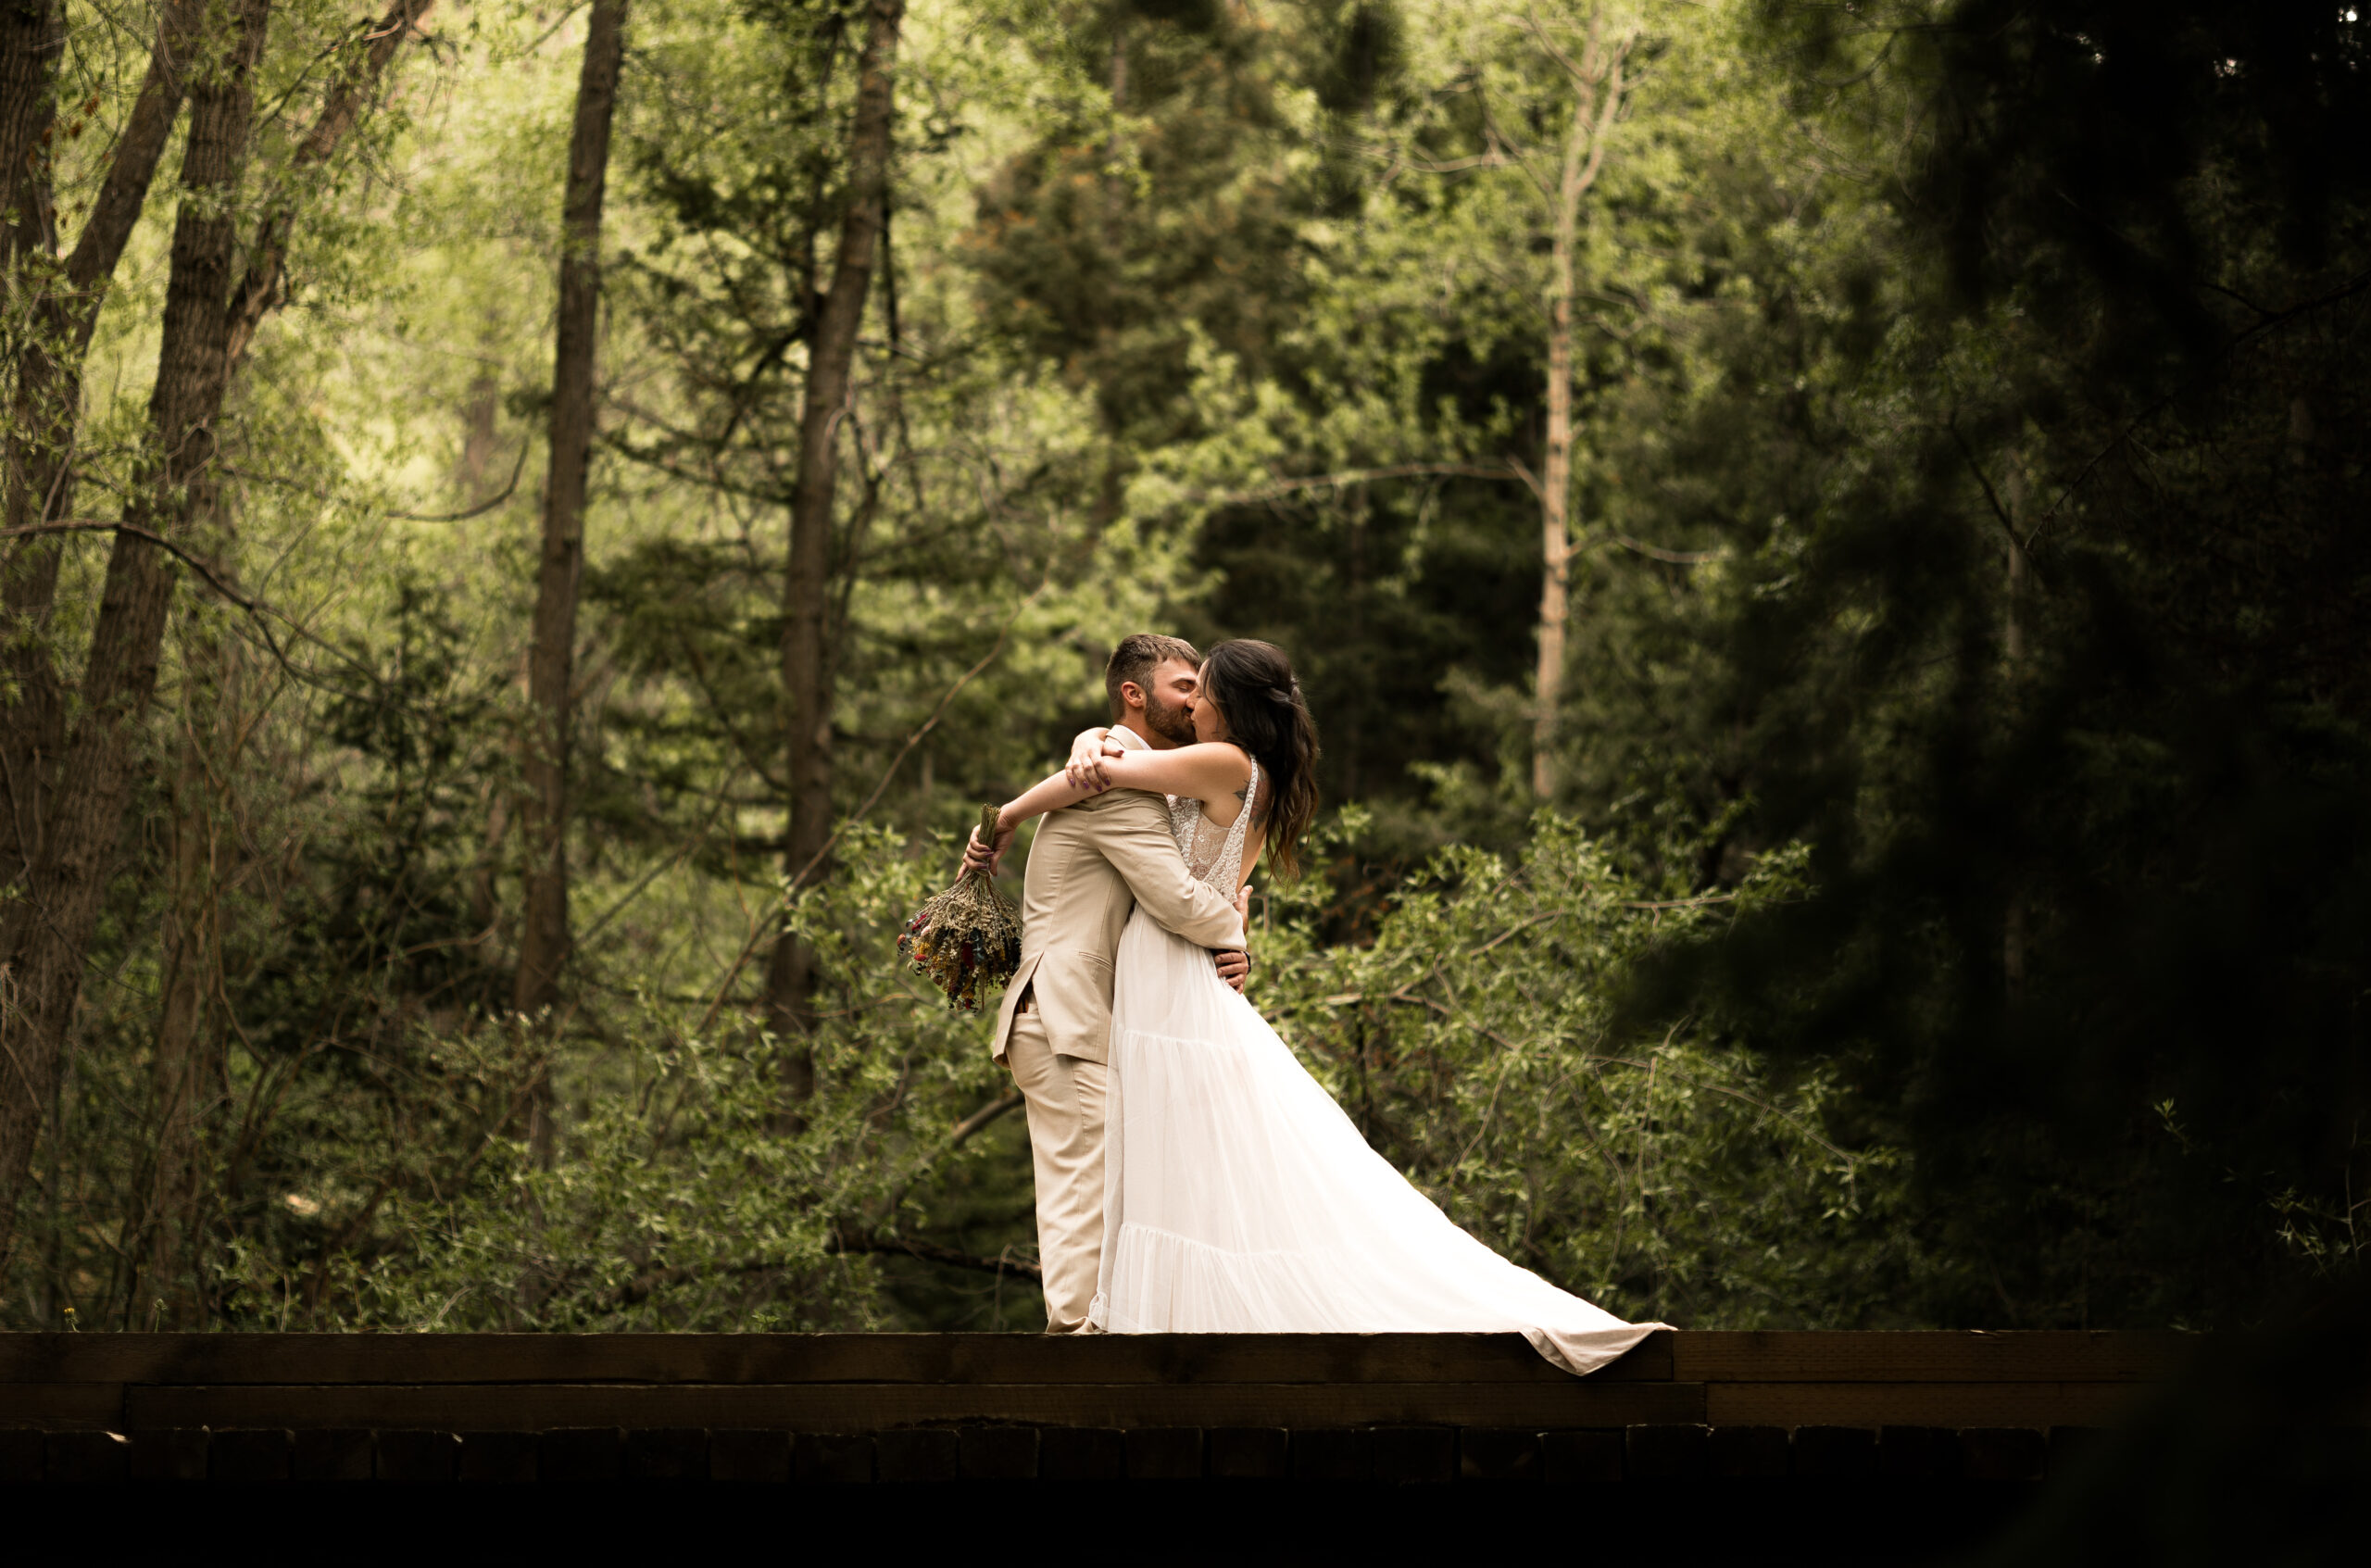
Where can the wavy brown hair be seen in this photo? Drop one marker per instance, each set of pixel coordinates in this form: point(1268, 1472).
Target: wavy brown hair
point(1252, 685)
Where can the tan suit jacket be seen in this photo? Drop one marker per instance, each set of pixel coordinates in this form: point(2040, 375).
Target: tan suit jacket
point(1090, 865)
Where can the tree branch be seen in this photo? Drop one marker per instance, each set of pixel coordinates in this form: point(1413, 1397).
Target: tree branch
point(2346, 290)
point(1355, 476)
point(1677, 558)
point(981, 1118)
point(258, 289)
point(851, 1243)
point(483, 506)
point(102, 525)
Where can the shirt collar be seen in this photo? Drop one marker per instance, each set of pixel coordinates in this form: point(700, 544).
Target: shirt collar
point(1130, 739)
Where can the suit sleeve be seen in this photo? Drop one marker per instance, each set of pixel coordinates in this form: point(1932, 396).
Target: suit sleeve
point(1135, 840)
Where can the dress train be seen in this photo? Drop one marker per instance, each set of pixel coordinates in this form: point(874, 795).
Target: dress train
point(1240, 1199)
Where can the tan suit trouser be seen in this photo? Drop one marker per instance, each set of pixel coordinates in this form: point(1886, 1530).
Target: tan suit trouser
point(1064, 1096)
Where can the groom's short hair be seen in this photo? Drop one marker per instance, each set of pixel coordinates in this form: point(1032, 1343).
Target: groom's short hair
point(1139, 654)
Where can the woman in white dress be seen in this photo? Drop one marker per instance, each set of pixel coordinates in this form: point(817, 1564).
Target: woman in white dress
point(1238, 1198)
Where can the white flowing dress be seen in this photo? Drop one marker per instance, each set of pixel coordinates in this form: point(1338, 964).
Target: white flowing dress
point(1239, 1198)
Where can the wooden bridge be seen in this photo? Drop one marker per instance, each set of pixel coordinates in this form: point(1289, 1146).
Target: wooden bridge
point(1967, 1424)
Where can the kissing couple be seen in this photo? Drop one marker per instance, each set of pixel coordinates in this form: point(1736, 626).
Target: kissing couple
point(1191, 1177)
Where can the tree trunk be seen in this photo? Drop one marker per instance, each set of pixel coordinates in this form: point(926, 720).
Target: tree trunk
point(2013, 631)
point(1110, 491)
point(187, 1054)
point(47, 934)
point(2014, 935)
point(33, 35)
point(1597, 85)
point(551, 661)
point(190, 1033)
point(807, 673)
point(47, 408)
point(342, 105)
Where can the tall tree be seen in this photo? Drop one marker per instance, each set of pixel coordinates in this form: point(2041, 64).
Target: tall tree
point(1596, 86)
point(1567, 73)
point(44, 411)
point(551, 660)
point(32, 37)
point(47, 934)
point(807, 672)
point(213, 730)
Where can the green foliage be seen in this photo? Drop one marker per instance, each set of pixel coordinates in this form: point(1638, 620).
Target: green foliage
point(2026, 637)
point(1666, 1174)
point(684, 1198)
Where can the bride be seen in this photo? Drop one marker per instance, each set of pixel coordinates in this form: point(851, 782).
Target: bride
point(1238, 1198)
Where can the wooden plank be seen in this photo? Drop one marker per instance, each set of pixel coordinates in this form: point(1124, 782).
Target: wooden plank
point(1918, 1404)
point(2024, 1355)
point(858, 1407)
point(62, 1406)
point(1649, 1360)
point(215, 1358)
point(984, 1359)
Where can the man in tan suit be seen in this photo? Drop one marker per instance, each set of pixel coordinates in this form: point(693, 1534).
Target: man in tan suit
point(1089, 867)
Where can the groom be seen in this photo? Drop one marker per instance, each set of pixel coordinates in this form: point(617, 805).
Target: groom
point(1089, 866)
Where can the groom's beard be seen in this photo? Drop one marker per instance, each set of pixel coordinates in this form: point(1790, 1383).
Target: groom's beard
point(1171, 722)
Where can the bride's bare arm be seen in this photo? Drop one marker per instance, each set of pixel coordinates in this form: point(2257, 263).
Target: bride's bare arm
point(1204, 772)
point(1050, 794)
point(1210, 770)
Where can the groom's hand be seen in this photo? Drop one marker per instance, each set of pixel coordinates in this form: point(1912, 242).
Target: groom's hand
point(988, 857)
point(1085, 770)
point(1234, 967)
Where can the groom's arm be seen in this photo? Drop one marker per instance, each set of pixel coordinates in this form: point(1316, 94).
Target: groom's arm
point(1131, 832)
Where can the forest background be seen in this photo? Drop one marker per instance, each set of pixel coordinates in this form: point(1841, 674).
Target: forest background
point(1827, 544)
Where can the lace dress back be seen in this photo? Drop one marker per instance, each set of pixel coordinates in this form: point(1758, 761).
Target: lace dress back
point(1223, 870)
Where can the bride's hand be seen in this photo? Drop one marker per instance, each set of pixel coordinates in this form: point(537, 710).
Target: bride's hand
point(1085, 770)
point(987, 858)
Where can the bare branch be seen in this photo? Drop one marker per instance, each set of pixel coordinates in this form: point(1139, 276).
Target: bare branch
point(2346, 290)
point(105, 525)
point(847, 1243)
point(1677, 558)
point(980, 1120)
point(1354, 476)
point(483, 506)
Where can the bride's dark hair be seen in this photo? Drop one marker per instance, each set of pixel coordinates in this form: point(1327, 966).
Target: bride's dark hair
point(1252, 684)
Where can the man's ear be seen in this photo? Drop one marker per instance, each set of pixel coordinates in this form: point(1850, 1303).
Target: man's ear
point(1130, 694)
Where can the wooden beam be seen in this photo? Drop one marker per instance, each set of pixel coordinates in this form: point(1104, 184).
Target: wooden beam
point(2099, 1356)
point(61, 1405)
point(869, 1407)
point(796, 1358)
point(1919, 1404)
